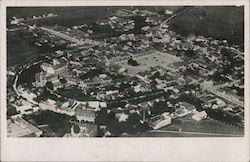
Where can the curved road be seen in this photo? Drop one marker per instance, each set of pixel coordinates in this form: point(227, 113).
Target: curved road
point(174, 15)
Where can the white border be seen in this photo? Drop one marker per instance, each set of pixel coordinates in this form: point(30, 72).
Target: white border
point(122, 149)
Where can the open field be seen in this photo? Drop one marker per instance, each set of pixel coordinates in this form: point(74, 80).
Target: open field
point(205, 126)
point(20, 49)
point(192, 128)
point(153, 59)
point(67, 16)
point(219, 22)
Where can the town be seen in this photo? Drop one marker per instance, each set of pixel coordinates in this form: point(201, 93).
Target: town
point(125, 75)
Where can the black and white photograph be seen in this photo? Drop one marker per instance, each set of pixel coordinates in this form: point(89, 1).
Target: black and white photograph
point(125, 71)
point(131, 71)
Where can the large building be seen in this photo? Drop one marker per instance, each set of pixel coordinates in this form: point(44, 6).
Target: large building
point(160, 121)
point(50, 72)
point(85, 115)
point(31, 129)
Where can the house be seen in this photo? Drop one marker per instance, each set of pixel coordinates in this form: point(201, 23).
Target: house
point(183, 109)
point(65, 110)
point(94, 105)
point(103, 104)
point(60, 69)
point(56, 84)
point(168, 12)
point(180, 112)
point(44, 105)
point(85, 115)
point(40, 79)
point(25, 109)
point(189, 107)
point(200, 115)
point(220, 103)
point(160, 121)
point(121, 117)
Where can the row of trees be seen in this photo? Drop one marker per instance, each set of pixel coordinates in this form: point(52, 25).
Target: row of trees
point(132, 125)
point(224, 116)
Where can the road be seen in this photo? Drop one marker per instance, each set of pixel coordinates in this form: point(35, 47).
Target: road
point(61, 35)
point(16, 79)
point(174, 15)
point(87, 42)
point(230, 98)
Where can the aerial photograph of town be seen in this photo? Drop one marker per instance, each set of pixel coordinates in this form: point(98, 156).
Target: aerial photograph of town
point(125, 71)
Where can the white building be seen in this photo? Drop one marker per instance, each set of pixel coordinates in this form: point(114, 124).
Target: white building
point(160, 121)
point(199, 115)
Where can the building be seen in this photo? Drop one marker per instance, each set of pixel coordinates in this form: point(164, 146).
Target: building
point(85, 130)
point(89, 130)
point(50, 72)
point(199, 115)
point(121, 117)
point(25, 109)
point(85, 115)
point(95, 105)
point(40, 79)
point(14, 130)
point(56, 84)
point(65, 110)
point(160, 121)
point(189, 107)
point(28, 126)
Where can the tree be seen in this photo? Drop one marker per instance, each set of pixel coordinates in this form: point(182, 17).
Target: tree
point(191, 53)
point(76, 129)
point(63, 80)
point(159, 108)
point(142, 127)
point(132, 62)
point(132, 122)
point(197, 102)
point(102, 117)
point(49, 85)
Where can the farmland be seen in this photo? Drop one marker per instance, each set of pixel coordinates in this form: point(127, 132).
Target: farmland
point(219, 22)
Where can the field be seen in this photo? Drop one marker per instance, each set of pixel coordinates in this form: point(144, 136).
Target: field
point(153, 59)
point(192, 128)
point(205, 126)
point(220, 22)
point(67, 16)
point(20, 49)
